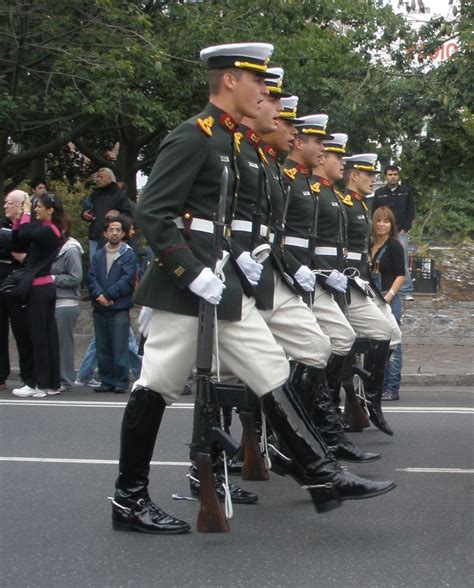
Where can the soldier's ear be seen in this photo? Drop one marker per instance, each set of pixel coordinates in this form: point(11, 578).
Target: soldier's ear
point(297, 143)
point(229, 80)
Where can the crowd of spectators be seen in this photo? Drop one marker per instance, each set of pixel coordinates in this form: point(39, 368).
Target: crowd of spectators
point(35, 238)
point(41, 272)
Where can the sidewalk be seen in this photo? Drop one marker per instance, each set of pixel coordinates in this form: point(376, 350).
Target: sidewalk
point(423, 365)
point(438, 364)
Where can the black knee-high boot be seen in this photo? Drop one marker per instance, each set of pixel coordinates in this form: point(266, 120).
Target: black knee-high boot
point(375, 363)
point(132, 508)
point(311, 384)
point(309, 461)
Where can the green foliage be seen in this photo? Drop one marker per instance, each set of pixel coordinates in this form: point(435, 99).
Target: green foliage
point(102, 72)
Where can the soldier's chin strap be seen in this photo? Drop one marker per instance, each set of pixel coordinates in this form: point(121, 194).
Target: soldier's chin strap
point(229, 511)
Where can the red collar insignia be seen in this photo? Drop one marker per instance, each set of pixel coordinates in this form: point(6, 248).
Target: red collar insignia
point(356, 195)
point(228, 123)
point(253, 138)
point(302, 169)
point(325, 182)
point(271, 152)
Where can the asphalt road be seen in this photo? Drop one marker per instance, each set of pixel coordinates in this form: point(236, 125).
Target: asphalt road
point(58, 464)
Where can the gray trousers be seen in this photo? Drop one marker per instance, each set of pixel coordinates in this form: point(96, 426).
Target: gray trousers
point(66, 318)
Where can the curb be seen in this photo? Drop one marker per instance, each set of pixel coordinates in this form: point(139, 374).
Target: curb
point(418, 379)
point(429, 379)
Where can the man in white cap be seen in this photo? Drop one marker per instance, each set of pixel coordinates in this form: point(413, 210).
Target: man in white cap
point(360, 172)
point(364, 316)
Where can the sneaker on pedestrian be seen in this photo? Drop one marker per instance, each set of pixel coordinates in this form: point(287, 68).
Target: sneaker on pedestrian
point(91, 383)
point(408, 297)
point(24, 392)
point(40, 393)
point(53, 392)
point(388, 396)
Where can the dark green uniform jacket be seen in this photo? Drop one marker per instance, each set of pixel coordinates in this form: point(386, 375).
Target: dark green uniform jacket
point(253, 197)
point(359, 227)
point(185, 183)
point(283, 260)
point(313, 197)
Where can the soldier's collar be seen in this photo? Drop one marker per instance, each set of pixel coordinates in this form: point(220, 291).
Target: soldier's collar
point(228, 122)
point(324, 181)
point(218, 115)
point(251, 136)
point(355, 195)
point(300, 168)
point(273, 153)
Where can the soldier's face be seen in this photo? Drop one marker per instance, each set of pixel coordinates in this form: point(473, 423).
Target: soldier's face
point(333, 166)
point(312, 151)
point(249, 92)
point(266, 121)
point(282, 138)
point(364, 182)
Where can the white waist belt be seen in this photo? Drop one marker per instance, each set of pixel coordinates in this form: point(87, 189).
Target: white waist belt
point(354, 256)
point(203, 225)
point(199, 224)
point(303, 243)
point(246, 227)
point(296, 242)
point(326, 251)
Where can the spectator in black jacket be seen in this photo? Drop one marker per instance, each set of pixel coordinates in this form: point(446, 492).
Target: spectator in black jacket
point(399, 198)
point(106, 196)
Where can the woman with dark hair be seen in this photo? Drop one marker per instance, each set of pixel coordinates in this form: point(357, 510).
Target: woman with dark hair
point(388, 271)
point(43, 238)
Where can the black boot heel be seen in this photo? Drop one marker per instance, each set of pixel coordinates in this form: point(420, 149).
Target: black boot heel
point(324, 496)
point(120, 525)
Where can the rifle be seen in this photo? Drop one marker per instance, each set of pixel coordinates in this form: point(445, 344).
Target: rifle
point(206, 432)
point(312, 238)
point(353, 411)
point(277, 245)
point(253, 466)
point(257, 213)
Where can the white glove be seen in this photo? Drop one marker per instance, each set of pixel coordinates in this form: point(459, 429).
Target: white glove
point(207, 286)
point(144, 320)
point(337, 281)
point(365, 286)
point(251, 268)
point(305, 278)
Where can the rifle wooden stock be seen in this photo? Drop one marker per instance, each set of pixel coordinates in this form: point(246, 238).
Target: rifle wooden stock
point(211, 517)
point(253, 467)
point(354, 414)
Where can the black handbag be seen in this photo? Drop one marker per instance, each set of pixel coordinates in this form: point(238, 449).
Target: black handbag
point(18, 284)
point(13, 280)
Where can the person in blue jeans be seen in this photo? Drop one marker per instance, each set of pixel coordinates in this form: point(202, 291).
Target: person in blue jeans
point(388, 272)
point(111, 284)
point(85, 374)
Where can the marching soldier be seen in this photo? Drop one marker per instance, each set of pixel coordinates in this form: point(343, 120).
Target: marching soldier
point(291, 321)
point(175, 215)
point(311, 228)
point(360, 171)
